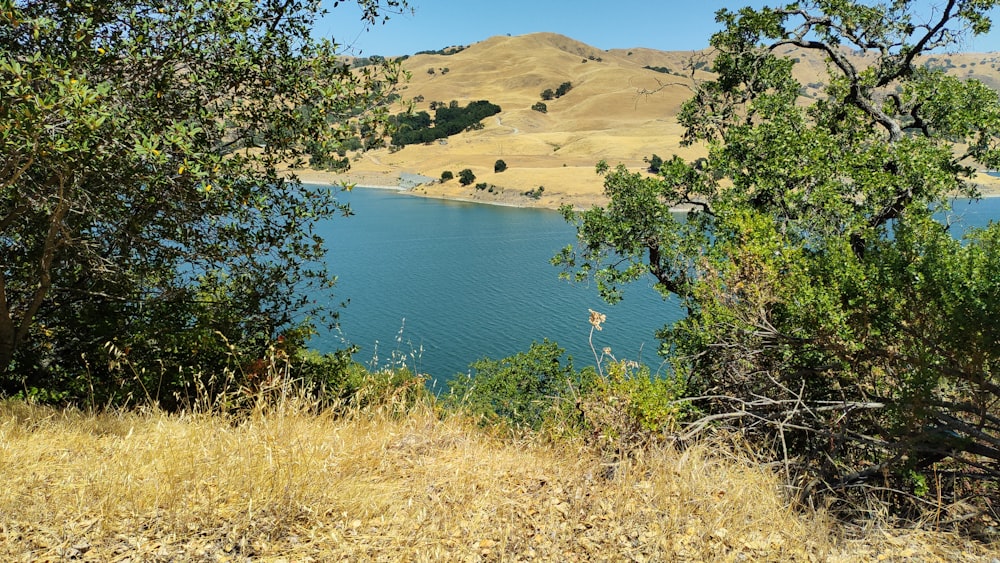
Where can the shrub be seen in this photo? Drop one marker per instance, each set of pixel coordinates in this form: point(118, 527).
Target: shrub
point(339, 383)
point(466, 177)
point(540, 107)
point(628, 407)
point(446, 175)
point(523, 390)
point(499, 166)
point(655, 162)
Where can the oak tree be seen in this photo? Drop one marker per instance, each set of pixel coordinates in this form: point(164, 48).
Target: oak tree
point(830, 310)
point(145, 211)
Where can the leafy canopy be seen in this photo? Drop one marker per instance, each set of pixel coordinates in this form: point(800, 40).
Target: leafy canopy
point(830, 310)
point(143, 207)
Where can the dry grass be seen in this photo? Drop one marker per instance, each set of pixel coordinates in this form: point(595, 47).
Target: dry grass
point(607, 115)
point(297, 487)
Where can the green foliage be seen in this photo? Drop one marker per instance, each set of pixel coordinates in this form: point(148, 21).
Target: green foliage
point(619, 410)
point(522, 390)
point(446, 51)
point(140, 199)
point(829, 309)
point(448, 120)
point(535, 193)
point(499, 166)
point(547, 94)
point(663, 69)
point(540, 107)
point(655, 162)
point(333, 383)
point(466, 177)
point(628, 407)
point(563, 89)
point(446, 175)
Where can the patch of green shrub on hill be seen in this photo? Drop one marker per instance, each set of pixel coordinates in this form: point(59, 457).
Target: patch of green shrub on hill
point(413, 128)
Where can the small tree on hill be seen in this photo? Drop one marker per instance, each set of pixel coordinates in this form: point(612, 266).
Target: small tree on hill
point(548, 94)
point(655, 162)
point(830, 309)
point(499, 166)
point(466, 177)
point(540, 107)
point(446, 175)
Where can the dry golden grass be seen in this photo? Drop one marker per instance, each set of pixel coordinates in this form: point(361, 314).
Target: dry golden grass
point(290, 486)
point(607, 115)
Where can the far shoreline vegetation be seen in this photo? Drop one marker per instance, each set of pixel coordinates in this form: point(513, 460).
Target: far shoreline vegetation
point(832, 392)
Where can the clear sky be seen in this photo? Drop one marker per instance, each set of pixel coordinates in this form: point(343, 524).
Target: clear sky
point(673, 25)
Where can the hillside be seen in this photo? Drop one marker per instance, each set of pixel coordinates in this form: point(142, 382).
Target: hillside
point(617, 110)
point(289, 486)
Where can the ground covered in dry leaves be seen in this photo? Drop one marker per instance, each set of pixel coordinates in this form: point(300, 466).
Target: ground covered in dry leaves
point(290, 486)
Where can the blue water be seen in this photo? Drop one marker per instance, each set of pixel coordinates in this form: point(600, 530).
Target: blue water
point(439, 284)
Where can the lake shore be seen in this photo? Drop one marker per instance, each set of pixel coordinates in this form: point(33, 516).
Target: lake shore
point(554, 198)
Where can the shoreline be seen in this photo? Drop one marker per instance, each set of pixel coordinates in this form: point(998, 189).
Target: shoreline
point(321, 178)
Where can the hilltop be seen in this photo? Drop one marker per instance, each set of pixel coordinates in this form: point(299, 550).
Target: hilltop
point(622, 108)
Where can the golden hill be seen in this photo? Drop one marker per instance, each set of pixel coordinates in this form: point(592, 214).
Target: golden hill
point(617, 110)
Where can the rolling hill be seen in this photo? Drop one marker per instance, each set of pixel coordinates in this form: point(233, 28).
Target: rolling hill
point(621, 108)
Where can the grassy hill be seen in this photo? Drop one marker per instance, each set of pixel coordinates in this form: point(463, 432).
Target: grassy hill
point(619, 109)
point(285, 485)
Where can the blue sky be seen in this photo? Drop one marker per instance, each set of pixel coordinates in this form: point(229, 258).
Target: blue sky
point(606, 24)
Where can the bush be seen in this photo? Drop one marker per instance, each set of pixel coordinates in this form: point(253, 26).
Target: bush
point(499, 166)
point(655, 162)
point(336, 382)
point(540, 107)
point(466, 177)
point(523, 390)
point(446, 175)
point(628, 407)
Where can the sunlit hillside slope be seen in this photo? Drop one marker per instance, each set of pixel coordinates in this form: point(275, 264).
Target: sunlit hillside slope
point(619, 109)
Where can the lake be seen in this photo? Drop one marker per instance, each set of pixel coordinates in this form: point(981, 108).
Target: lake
point(439, 284)
point(445, 283)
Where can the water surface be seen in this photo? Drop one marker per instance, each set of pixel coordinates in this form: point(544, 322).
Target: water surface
point(453, 282)
point(441, 284)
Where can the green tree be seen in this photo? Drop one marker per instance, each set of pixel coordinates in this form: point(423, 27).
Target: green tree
point(499, 166)
point(466, 177)
point(446, 175)
point(540, 107)
point(547, 94)
point(563, 89)
point(830, 310)
point(142, 212)
point(655, 162)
